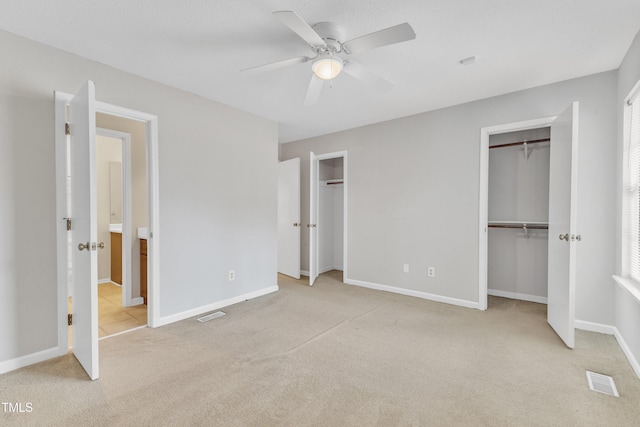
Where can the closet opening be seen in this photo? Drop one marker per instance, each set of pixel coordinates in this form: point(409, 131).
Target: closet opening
point(525, 186)
point(518, 215)
point(331, 216)
point(327, 225)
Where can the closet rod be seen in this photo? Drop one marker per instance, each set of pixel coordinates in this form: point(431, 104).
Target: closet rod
point(531, 227)
point(336, 182)
point(511, 144)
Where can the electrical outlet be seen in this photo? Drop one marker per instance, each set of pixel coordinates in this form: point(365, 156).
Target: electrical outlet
point(405, 268)
point(431, 272)
point(232, 275)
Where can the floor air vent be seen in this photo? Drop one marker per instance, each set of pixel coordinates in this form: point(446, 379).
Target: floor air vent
point(602, 383)
point(211, 316)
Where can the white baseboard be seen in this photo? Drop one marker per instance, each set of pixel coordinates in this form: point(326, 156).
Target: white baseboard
point(103, 281)
point(137, 301)
point(627, 352)
point(215, 306)
point(324, 270)
point(30, 359)
point(516, 295)
point(412, 293)
point(611, 330)
point(595, 327)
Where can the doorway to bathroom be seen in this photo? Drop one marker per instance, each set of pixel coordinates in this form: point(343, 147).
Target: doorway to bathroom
point(121, 211)
point(76, 120)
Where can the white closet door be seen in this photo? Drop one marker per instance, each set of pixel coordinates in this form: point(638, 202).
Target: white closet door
point(289, 217)
point(82, 118)
point(563, 184)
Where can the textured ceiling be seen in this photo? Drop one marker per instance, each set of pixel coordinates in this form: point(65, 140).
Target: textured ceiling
point(200, 46)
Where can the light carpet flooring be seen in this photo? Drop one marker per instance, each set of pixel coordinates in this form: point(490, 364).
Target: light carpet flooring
point(337, 355)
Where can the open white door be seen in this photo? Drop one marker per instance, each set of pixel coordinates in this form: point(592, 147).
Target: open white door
point(82, 119)
point(563, 184)
point(289, 217)
point(314, 166)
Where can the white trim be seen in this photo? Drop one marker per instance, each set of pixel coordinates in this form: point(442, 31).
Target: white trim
point(412, 293)
point(595, 327)
point(483, 190)
point(517, 295)
point(304, 273)
point(215, 306)
point(327, 269)
point(123, 332)
point(60, 118)
point(611, 330)
point(627, 352)
point(137, 301)
point(153, 241)
point(30, 359)
point(107, 280)
point(628, 285)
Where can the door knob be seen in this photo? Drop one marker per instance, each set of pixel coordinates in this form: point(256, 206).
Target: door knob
point(90, 246)
point(564, 237)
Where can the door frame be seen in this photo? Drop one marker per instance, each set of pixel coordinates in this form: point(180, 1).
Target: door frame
point(345, 256)
point(61, 100)
point(483, 186)
point(127, 276)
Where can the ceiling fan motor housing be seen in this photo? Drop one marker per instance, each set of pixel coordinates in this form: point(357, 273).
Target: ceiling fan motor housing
point(332, 34)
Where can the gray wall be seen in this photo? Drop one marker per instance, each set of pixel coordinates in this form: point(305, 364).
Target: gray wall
point(627, 308)
point(217, 179)
point(413, 191)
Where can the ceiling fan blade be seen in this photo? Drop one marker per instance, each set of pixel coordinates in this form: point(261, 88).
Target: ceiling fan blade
point(360, 72)
point(275, 65)
point(300, 27)
point(313, 91)
point(391, 35)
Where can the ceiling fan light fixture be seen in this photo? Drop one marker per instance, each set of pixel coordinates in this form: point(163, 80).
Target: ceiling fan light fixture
point(327, 68)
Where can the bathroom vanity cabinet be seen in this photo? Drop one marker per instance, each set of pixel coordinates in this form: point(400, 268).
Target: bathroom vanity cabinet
point(116, 257)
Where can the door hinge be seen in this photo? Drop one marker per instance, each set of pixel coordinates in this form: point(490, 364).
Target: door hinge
point(69, 319)
point(68, 223)
point(67, 128)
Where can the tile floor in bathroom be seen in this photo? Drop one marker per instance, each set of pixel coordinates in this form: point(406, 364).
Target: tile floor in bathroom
point(112, 316)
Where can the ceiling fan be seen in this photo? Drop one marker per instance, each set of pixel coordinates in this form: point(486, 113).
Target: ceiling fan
point(332, 53)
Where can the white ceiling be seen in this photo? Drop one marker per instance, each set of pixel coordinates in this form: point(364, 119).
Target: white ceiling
point(200, 46)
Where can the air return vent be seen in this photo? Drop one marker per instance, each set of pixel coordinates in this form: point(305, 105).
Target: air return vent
point(211, 316)
point(602, 383)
